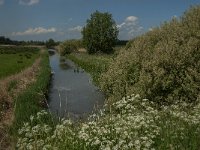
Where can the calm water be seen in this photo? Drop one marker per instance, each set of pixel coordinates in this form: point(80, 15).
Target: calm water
point(72, 93)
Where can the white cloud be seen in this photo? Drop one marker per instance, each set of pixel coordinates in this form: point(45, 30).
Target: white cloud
point(150, 29)
point(129, 28)
point(75, 29)
point(131, 19)
point(1, 2)
point(28, 2)
point(35, 31)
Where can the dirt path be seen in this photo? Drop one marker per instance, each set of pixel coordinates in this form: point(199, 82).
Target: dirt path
point(10, 88)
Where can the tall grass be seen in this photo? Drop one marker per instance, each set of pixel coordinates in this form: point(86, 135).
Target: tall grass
point(93, 64)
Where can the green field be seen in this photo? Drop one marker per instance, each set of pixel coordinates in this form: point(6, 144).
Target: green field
point(15, 59)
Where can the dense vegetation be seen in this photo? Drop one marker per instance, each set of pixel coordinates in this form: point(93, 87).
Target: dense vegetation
point(100, 33)
point(15, 59)
point(93, 64)
point(131, 123)
point(70, 46)
point(51, 43)
point(161, 65)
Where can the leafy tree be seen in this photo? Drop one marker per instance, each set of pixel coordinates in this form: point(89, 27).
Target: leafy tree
point(100, 33)
point(69, 46)
point(50, 43)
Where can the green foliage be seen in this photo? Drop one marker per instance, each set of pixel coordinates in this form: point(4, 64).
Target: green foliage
point(70, 46)
point(50, 43)
point(12, 85)
point(94, 64)
point(15, 59)
point(100, 33)
point(161, 65)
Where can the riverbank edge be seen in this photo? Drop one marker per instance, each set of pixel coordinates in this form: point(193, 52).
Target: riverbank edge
point(33, 99)
point(91, 67)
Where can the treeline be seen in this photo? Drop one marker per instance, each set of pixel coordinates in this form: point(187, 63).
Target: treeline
point(70, 46)
point(7, 41)
point(17, 49)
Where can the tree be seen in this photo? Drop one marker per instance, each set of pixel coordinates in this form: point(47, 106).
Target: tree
point(50, 43)
point(100, 33)
point(69, 46)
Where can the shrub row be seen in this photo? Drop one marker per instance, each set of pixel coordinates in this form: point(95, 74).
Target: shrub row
point(161, 65)
point(18, 49)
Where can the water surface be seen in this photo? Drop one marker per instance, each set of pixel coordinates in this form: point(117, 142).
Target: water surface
point(71, 93)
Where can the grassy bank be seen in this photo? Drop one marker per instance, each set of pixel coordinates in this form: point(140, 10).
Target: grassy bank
point(33, 98)
point(93, 64)
point(22, 92)
point(16, 59)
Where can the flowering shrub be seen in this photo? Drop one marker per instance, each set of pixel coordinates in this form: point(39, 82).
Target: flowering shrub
point(131, 123)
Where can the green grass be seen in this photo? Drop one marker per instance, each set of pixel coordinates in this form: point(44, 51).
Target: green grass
point(12, 85)
point(32, 99)
point(13, 61)
point(93, 64)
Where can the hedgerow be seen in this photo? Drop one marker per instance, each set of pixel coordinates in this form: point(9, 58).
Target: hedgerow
point(161, 65)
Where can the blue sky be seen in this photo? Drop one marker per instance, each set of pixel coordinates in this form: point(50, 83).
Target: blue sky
point(64, 19)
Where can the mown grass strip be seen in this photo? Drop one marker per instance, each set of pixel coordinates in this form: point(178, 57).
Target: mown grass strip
point(32, 99)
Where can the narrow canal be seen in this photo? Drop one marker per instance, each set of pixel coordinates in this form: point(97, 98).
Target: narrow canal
point(71, 92)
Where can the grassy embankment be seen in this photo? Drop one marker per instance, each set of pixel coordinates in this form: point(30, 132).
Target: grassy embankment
point(93, 64)
point(161, 65)
point(33, 98)
point(23, 93)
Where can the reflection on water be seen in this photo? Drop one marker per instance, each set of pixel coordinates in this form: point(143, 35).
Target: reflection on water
point(71, 92)
point(51, 52)
point(64, 66)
